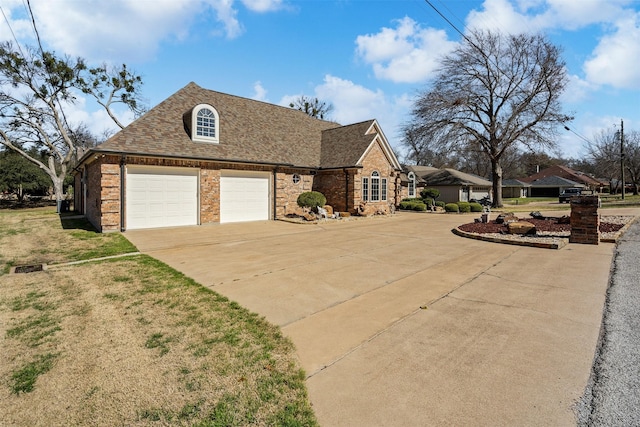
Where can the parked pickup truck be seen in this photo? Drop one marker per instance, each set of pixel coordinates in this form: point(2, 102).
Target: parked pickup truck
point(568, 193)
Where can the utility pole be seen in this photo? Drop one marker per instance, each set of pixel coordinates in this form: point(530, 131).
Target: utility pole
point(622, 155)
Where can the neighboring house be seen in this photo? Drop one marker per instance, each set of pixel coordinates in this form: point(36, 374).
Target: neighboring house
point(552, 186)
point(514, 188)
point(566, 173)
point(412, 180)
point(202, 156)
point(454, 186)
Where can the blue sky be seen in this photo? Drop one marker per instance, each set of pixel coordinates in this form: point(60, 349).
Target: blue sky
point(369, 58)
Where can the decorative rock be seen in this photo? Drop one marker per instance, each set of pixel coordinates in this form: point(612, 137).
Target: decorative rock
point(329, 209)
point(506, 218)
point(521, 227)
point(309, 216)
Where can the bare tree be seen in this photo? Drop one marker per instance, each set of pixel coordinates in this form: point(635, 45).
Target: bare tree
point(424, 151)
point(632, 158)
point(35, 88)
point(312, 106)
point(603, 153)
point(492, 92)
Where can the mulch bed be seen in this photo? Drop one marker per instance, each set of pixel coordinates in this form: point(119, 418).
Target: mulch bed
point(542, 225)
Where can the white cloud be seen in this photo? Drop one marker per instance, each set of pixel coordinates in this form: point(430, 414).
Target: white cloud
point(354, 103)
point(500, 15)
point(262, 5)
point(125, 30)
point(578, 90)
point(259, 92)
point(615, 60)
point(407, 53)
point(517, 16)
point(97, 121)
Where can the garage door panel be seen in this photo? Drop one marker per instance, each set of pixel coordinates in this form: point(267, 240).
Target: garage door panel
point(244, 198)
point(158, 197)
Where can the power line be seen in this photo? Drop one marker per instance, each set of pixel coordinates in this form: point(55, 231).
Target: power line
point(577, 134)
point(11, 29)
point(35, 29)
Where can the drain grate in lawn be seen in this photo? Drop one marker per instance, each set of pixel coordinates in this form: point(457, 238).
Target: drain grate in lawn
point(28, 268)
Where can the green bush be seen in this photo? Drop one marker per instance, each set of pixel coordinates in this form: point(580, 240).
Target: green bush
point(451, 207)
point(412, 205)
point(412, 199)
point(430, 193)
point(311, 199)
point(475, 207)
point(440, 203)
point(464, 207)
point(428, 202)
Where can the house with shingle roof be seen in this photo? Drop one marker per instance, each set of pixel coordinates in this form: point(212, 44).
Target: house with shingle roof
point(454, 185)
point(551, 181)
point(202, 156)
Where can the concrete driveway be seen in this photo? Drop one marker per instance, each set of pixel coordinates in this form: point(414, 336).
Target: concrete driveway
point(399, 322)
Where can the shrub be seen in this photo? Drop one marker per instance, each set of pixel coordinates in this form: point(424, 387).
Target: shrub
point(464, 207)
point(311, 199)
point(428, 202)
point(412, 199)
point(412, 205)
point(430, 193)
point(475, 207)
point(451, 207)
point(440, 203)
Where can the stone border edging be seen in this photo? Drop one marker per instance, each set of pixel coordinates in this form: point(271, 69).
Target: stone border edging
point(620, 232)
point(461, 233)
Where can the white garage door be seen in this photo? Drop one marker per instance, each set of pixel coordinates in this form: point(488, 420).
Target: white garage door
point(161, 197)
point(244, 197)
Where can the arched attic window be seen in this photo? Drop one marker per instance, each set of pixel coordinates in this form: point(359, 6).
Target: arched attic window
point(206, 124)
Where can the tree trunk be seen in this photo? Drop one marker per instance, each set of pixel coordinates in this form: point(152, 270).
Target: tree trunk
point(58, 190)
point(496, 175)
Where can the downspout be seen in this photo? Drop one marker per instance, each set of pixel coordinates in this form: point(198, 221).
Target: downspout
point(346, 190)
point(275, 190)
point(122, 174)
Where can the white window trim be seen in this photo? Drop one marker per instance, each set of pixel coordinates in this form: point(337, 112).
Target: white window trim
point(412, 185)
point(365, 189)
point(375, 195)
point(194, 125)
point(383, 189)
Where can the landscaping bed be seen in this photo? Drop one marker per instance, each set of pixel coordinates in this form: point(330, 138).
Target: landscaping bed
point(550, 233)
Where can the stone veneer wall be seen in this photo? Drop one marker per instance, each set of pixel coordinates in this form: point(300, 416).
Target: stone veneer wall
point(376, 160)
point(585, 220)
point(287, 191)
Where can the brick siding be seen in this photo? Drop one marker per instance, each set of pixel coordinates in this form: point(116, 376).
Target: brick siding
point(585, 220)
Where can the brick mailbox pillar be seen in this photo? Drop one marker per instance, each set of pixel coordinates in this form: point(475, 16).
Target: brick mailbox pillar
point(585, 220)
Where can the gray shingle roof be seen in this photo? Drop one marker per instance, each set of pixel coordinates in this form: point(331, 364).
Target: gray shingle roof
point(249, 131)
point(343, 146)
point(555, 181)
point(455, 177)
point(515, 183)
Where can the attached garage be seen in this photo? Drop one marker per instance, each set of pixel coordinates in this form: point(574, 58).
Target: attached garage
point(161, 197)
point(244, 196)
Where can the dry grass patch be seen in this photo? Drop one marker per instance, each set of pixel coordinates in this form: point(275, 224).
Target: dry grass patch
point(132, 342)
point(40, 236)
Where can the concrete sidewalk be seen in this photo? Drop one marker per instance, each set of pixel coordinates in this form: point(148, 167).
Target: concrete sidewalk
point(399, 322)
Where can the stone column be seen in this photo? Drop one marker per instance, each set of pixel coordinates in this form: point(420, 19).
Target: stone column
point(585, 220)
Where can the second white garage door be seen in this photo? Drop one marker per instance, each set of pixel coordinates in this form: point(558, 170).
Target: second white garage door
point(244, 197)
